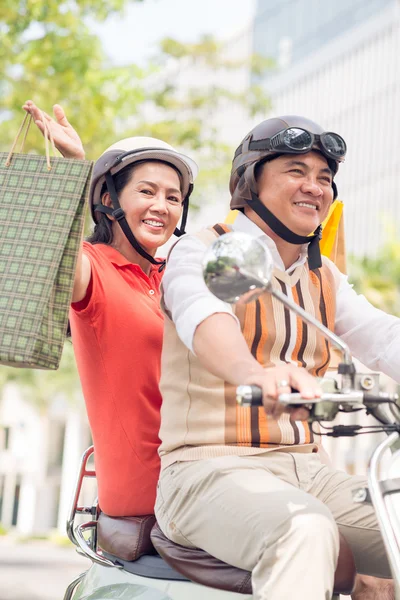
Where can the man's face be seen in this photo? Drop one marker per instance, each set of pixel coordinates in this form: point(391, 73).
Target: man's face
point(297, 189)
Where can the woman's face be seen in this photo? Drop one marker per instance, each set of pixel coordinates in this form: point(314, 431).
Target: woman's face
point(152, 202)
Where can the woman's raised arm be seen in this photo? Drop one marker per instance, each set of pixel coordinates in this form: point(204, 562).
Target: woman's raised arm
point(66, 139)
point(68, 142)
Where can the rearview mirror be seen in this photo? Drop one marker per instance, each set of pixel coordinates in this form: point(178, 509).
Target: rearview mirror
point(235, 265)
point(238, 267)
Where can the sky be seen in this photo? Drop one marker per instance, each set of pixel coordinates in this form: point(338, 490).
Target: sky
point(134, 37)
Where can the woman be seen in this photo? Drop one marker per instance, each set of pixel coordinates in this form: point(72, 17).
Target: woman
point(140, 190)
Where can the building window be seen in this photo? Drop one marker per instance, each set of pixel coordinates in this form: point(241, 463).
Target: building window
point(6, 437)
point(56, 446)
point(16, 501)
point(2, 484)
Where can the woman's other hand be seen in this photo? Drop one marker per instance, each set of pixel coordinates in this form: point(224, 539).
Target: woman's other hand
point(66, 140)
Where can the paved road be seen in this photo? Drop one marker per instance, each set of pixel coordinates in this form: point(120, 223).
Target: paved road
point(37, 570)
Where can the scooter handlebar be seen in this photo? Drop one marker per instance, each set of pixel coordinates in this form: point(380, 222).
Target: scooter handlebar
point(251, 395)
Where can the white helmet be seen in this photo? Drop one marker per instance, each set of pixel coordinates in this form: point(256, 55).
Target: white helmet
point(134, 149)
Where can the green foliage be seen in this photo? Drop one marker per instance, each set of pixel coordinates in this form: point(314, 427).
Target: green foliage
point(48, 54)
point(206, 50)
point(260, 64)
point(186, 117)
point(40, 387)
point(378, 278)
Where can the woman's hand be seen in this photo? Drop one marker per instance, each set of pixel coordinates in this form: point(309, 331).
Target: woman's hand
point(66, 140)
point(279, 380)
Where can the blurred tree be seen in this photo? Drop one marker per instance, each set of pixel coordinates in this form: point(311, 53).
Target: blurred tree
point(41, 387)
point(193, 84)
point(48, 53)
point(378, 278)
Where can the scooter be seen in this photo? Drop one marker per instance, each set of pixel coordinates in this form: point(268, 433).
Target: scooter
point(131, 557)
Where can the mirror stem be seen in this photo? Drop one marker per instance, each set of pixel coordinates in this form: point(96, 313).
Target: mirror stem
point(327, 333)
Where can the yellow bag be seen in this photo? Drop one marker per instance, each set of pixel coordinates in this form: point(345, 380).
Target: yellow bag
point(333, 243)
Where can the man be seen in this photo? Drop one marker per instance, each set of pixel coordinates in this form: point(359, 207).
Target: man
point(248, 485)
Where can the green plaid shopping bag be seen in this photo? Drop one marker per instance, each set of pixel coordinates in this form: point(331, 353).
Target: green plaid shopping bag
point(41, 220)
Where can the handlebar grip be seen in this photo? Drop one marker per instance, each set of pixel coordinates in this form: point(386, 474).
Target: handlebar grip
point(252, 395)
point(249, 395)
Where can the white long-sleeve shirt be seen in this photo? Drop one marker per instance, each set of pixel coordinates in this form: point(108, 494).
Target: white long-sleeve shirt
point(372, 335)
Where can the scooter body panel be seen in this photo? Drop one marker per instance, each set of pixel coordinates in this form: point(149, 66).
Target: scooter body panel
point(106, 583)
point(393, 500)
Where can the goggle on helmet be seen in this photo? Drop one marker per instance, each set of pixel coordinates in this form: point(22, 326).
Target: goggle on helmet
point(272, 138)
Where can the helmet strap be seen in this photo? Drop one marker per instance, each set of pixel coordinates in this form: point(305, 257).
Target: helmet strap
point(119, 216)
point(314, 253)
point(181, 230)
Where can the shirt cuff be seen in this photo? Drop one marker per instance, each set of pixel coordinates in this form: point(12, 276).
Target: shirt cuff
point(198, 312)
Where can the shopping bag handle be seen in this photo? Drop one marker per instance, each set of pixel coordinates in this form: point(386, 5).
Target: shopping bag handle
point(47, 136)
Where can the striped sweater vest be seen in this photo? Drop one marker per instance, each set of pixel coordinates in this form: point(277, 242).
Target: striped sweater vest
point(199, 415)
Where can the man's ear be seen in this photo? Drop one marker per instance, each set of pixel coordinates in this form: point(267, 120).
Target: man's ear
point(335, 190)
point(106, 201)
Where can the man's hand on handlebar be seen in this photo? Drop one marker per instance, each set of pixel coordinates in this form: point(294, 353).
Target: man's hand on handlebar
point(282, 380)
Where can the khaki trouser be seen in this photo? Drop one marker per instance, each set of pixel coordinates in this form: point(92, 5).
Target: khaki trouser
point(275, 514)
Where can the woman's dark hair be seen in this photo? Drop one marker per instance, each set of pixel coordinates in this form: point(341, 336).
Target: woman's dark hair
point(103, 233)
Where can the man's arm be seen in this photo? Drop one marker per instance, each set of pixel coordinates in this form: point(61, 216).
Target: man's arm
point(208, 327)
point(221, 348)
point(372, 335)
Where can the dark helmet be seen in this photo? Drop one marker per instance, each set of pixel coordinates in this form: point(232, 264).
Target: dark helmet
point(271, 138)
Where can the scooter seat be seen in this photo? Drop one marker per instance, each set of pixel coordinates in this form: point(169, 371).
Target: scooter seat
point(130, 538)
point(200, 567)
point(126, 537)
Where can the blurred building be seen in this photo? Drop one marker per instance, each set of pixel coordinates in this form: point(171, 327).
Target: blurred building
point(339, 64)
point(290, 31)
point(40, 452)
